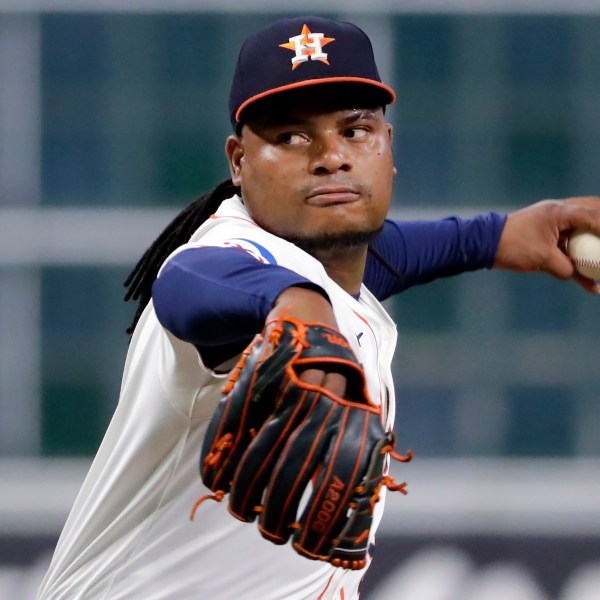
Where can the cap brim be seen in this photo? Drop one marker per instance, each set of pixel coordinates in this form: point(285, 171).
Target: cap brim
point(391, 95)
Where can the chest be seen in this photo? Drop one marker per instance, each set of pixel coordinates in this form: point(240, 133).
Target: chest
point(372, 335)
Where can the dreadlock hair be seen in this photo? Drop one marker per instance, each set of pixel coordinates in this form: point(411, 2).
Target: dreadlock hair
point(177, 232)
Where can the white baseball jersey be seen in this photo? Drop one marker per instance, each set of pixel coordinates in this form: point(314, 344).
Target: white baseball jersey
point(129, 535)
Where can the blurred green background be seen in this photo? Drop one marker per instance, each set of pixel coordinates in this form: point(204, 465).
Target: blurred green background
point(493, 112)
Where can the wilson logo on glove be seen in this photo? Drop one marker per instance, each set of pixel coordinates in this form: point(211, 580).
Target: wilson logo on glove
point(336, 339)
point(273, 435)
point(332, 497)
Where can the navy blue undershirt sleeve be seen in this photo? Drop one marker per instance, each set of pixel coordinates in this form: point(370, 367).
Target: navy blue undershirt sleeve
point(409, 253)
point(218, 298)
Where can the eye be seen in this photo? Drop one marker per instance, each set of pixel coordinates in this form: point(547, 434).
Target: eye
point(291, 139)
point(356, 133)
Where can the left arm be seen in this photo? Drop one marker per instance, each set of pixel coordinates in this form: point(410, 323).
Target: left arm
point(409, 253)
point(527, 240)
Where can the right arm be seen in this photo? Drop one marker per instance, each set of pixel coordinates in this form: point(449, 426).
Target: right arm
point(218, 299)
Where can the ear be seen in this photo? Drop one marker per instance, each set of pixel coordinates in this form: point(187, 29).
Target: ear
point(234, 149)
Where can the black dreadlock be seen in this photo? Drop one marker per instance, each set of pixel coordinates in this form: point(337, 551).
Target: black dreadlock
point(177, 232)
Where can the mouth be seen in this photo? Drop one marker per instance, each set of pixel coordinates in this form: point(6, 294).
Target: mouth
point(332, 195)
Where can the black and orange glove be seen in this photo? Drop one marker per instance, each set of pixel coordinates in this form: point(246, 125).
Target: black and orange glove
point(273, 435)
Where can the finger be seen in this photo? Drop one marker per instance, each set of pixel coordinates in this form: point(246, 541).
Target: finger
point(333, 382)
point(312, 376)
point(583, 214)
point(559, 265)
point(589, 285)
point(592, 202)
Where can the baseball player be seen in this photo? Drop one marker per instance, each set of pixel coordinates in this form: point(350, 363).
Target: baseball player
point(257, 383)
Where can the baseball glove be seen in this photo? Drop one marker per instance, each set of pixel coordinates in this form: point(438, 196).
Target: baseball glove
point(273, 435)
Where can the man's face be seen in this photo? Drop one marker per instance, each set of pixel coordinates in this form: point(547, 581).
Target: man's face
point(315, 172)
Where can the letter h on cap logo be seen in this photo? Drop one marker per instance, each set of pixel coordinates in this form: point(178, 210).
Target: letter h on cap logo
point(307, 45)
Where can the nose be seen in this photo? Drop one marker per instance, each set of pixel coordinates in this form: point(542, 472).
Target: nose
point(329, 155)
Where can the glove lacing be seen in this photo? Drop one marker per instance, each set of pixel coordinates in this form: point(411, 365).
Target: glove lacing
point(388, 481)
point(212, 460)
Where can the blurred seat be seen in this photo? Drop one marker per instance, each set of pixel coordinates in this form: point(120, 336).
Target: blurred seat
point(503, 581)
point(583, 583)
point(436, 573)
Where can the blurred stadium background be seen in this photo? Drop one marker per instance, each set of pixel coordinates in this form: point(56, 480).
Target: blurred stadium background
point(113, 116)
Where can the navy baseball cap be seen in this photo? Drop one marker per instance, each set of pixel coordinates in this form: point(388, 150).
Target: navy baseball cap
point(299, 52)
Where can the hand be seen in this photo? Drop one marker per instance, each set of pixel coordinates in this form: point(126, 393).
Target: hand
point(306, 304)
point(534, 237)
point(272, 435)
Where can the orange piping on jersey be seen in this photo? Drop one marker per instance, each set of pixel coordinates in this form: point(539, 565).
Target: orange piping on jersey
point(232, 217)
point(326, 587)
point(377, 348)
point(342, 595)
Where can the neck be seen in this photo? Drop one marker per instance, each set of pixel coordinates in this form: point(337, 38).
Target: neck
point(345, 266)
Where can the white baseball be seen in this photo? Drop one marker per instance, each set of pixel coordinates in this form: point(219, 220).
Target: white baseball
point(583, 248)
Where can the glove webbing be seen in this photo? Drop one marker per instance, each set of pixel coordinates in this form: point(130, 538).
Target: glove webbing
point(268, 370)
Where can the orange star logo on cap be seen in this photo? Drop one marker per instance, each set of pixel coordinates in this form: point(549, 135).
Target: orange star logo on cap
point(307, 46)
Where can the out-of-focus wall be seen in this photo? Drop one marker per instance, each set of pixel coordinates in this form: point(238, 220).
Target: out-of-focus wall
point(124, 110)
